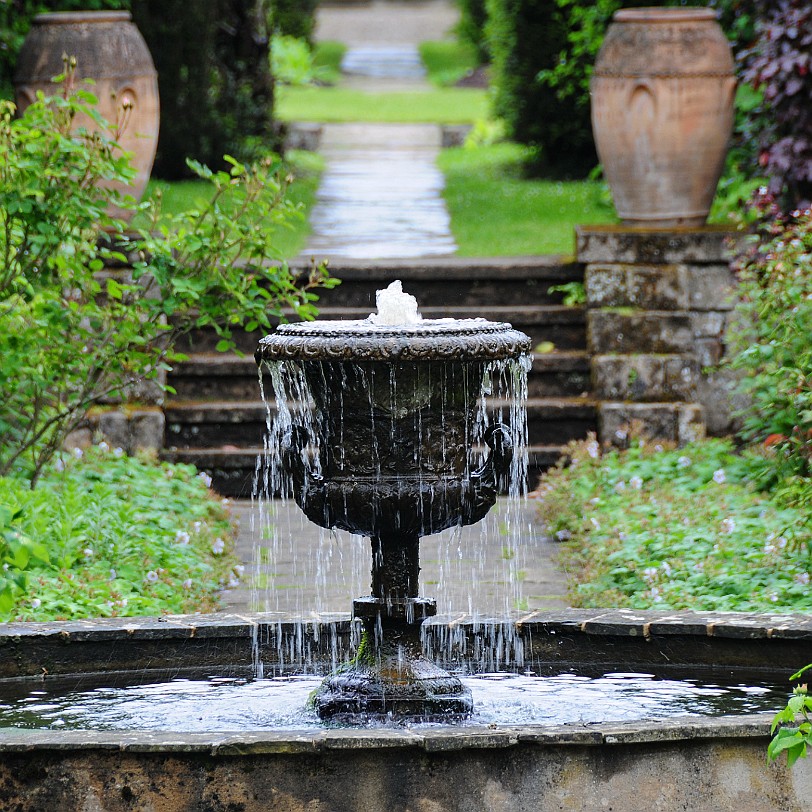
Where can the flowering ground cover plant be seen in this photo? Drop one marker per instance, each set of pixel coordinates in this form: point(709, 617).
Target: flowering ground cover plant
point(665, 528)
point(104, 534)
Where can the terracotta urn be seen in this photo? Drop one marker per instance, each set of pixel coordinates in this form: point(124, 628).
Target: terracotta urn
point(662, 113)
point(110, 50)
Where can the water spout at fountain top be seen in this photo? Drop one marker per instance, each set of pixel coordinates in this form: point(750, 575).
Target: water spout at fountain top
point(395, 307)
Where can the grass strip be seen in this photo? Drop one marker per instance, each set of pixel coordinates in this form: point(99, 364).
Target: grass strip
point(338, 104)
point(497, 212)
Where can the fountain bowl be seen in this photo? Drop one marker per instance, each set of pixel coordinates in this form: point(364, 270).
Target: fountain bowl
point(695, 763)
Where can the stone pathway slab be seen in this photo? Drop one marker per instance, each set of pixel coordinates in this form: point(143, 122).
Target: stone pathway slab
point(380, 195)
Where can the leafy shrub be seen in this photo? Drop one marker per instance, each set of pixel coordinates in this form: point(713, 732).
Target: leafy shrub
point(525, 39)
point(471, 27)
point(770, 337)
point(214, 79)
point(115, 535)
point(780, 65)
point(72, 336)
point(674, 529)
point(294, 18)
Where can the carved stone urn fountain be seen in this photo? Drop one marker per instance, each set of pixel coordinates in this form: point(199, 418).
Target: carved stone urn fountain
point(388, 410)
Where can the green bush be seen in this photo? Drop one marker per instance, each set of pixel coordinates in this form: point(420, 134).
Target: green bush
point(214, 79)
point(770, 337)
point(73, 333)
point(294, 18)
point(471, 27)
point(525, 40)
point(105, 535)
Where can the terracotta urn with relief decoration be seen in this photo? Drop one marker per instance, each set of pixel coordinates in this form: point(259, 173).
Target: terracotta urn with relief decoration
point(662, 113)
point(110, 50)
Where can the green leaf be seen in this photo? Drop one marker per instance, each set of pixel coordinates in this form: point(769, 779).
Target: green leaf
point(114, 290)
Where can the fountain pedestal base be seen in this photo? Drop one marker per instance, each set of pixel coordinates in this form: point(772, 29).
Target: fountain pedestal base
point(391, 678)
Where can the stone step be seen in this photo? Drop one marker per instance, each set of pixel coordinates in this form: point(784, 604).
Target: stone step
point(227, 376)
point(234, 470)
point(214, 424)
point(563, 327)
point(451, 281)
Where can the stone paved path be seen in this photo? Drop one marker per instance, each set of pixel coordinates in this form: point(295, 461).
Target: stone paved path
point(464, 569)
point(381, 192)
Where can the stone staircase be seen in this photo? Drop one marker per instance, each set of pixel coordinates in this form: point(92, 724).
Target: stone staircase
point(216, 418)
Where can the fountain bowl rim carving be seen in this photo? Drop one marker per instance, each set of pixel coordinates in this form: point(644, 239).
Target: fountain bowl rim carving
point(426, 340)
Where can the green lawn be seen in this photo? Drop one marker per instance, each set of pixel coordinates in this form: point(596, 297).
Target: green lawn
point(306, 169)
point(337, 104)
point(496, 212)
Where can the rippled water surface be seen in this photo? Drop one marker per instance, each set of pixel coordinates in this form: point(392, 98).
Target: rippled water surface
point(225, 704)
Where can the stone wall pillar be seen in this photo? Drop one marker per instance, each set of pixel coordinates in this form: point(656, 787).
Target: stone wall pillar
point(657, 308)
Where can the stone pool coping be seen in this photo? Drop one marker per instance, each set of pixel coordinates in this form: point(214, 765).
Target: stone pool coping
point(432, 740)
point(762, 645)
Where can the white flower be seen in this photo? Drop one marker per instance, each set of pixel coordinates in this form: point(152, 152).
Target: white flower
point(113, 575)
point(699, 565)
point(621, 436)
point(666, 568)
point(728, 525)
point(239, 569)
point(181, 537)
point(225, 501)
point(774, 597)
point(658, 448)
point(87, 552)
point(103, 446)
point(802, 578)
point(782, 542)
point(636, 482)
point(205, 478)
point(187, 584)
point(719, 476)
point(122, 602)
point(684, 462)
point(118, 452)
point(769, 548)
point(620, 486)
point(152, 576)
point(595, 523)
point(622, 536)
point(593, 449)
point(233, 581)
point(36, 603)
point(77, 452)
point(218, 546)
point(563, 535)
point(197, 526)
point(650, 573)
point(59, 465)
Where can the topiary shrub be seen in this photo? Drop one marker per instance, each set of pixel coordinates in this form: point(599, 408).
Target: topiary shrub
point(294, 18)
point(216, 86)
point(471, 27)
point(525, 38)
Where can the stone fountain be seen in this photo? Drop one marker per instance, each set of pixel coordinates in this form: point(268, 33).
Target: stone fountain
point(383, 448)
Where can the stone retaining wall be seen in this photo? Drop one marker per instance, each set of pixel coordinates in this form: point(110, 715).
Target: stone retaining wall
point(658, 306)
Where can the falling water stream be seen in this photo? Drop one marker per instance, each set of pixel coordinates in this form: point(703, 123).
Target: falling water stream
point(338, 564)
